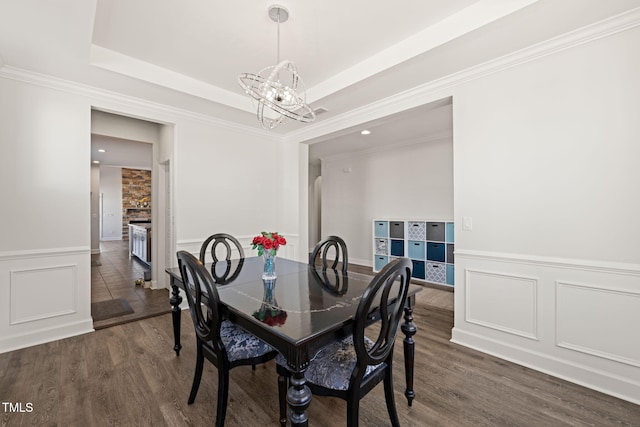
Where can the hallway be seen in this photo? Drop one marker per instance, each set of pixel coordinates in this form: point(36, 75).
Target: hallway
point(113, 275)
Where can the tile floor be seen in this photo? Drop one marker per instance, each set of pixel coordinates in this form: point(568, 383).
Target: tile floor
point(115, 278)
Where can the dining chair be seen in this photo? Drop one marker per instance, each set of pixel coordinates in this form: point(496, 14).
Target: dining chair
point(228, 241)
point(222, 342)
point(332, 249)
point(350, 367)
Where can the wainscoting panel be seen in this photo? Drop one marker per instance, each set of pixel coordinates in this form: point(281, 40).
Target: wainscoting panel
point(589, 319)
point(45, 295)
point(502, 301)
point(42, 293)
point(574, 319)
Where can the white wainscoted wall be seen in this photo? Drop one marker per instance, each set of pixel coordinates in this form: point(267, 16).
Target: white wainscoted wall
point(546, 170)
point(45, 238)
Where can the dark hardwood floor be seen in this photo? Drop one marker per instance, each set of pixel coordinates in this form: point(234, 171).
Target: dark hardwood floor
point(115, 277)
point(128, 375)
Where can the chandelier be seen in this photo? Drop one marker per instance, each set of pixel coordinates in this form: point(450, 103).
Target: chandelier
point(278, 87)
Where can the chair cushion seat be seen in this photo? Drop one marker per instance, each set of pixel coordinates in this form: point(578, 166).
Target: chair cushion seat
point(332, 366)
point(241, 344)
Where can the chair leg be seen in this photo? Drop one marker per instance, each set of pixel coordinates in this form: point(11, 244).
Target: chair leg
point(390, 398)
point(253, 367)
point(223, 395)
point(353, 410)
point(197, 376)
point(282, 397)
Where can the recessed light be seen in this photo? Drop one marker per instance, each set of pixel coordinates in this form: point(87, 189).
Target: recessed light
point(365, 132)
point(96, 161)
point(102, 150)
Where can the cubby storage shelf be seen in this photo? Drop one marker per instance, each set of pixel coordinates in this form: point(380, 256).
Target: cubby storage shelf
point(428, 243)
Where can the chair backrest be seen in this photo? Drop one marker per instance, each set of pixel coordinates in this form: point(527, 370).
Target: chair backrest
point(222, 272)
point(202, 295)
point(389, 296)
point(218, 239)
point(332, 280)
point(331, 250)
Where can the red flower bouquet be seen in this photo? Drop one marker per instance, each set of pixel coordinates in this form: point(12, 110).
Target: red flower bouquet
point(268, 243)
point(270, 315)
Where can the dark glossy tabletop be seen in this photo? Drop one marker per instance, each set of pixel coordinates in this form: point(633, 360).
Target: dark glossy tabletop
point(300, 291)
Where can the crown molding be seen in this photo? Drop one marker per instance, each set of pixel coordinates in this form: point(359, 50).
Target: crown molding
point(168, 114)
point(441, 88)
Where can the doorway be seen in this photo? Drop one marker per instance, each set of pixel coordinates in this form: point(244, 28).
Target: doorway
point(133, 195)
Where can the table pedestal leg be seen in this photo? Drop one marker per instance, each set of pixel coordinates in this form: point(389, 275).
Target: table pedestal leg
point(409, 330)
point(175, 301)
point(299, 398)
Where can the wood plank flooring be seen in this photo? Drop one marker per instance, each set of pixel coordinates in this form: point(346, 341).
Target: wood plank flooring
point(128, 375)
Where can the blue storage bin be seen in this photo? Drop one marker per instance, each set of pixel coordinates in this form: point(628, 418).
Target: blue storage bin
point(418, 269)
point(416, 250)
point(449, 232)
point(451, 270)
point(381, 228)
point(435, 251)
point(397, 248)
point(381, 261)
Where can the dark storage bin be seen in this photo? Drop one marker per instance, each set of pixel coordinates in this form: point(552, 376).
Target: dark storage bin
point(418, 269)
point(396, 229)
point(435, 251)
point(397, 248)
point(435, 231)
point(450, 247)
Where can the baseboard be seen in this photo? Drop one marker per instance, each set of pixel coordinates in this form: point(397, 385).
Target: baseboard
point(43, 336)
point(361, 262)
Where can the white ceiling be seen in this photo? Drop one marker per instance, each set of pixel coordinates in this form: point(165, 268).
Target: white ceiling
point(121, 152)
point(351, 55)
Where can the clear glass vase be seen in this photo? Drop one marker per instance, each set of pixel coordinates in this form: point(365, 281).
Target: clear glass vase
point(269, 271)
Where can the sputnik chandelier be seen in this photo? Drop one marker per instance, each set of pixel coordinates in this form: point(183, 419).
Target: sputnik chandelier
point(278, 87)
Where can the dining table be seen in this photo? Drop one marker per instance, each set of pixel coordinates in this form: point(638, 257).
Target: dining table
point(303, 309)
